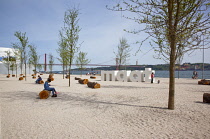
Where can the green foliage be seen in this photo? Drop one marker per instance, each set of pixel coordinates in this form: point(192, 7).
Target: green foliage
point(187, 25)
point(39, 67)
point(51, 62)
point(9, 61)
point(81, 61)
point(123, 52)
point(71, 32)
point(69, 37)
point(21, 48)
point(63, 52)
point(174, 27)
point(33, 57)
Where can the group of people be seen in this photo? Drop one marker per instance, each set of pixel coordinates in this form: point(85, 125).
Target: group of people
point(195, 75)
point(91, 73)
point(47, 86)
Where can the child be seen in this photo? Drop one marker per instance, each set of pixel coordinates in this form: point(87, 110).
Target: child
point(48, 88)
point(39, 79)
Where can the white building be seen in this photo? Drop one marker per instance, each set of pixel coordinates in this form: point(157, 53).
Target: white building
point(3, 51)
point(3, 68)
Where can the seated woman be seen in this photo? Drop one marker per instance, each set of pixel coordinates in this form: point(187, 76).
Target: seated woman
point(195, 75)
point(39, 79)
point(48, 88)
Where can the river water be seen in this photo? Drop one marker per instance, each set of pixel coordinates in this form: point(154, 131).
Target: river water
point(163, 74)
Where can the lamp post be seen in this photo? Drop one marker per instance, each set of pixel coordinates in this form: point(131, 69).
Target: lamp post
point(45, 62)
point(203, 60)
point(117, 63)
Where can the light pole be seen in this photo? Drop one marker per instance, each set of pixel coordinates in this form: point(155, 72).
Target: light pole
point(203, 60)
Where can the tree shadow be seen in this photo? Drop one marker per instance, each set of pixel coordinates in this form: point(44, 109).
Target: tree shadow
point(5, 80)
point(93, 101)
point(125, 87)
point(77, 100)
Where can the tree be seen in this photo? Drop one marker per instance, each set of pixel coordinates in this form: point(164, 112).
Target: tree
point(70, 34)
point(21, 47)
point(17, 54)
point(81, 61)
point(39, 67)
point(168, 23)
point(63, 52)
point(123, 52)
point(13, 64)
point(7, 60)
point(51, 62)
point(33, 57)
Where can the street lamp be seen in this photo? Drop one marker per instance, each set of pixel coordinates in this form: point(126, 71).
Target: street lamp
point(203, 59)
point(203, 54)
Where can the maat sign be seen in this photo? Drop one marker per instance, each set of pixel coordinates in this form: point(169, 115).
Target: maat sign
point(127, 76)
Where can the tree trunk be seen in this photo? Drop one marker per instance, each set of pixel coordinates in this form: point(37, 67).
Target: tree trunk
point(93, 85)
point(63, 70)
point(171, 86)
point(16, 68)
point(8, 68)
point(179, 70)
point(172, 41)
point(25, 70)
point(21, 67)
point(172, 73)
point(69, 73)
point(35, 69)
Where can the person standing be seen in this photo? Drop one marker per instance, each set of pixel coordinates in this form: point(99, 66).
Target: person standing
point(152, 77)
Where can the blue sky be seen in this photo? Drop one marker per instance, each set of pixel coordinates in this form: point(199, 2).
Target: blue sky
point(100, 32)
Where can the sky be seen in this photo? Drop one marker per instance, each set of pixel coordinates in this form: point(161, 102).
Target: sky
point(101, 30)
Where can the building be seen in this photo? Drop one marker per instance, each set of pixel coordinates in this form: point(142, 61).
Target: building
point(3, 67)
point(3, 51)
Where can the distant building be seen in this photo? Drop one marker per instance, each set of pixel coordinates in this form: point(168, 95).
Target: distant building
point(3, 68)
point(3, 53)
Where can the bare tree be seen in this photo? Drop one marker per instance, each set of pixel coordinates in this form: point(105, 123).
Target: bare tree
point(33, 57)
point(39, 67)
point(70, 34)
point(7, 60)
point(12, 64)
point(21, 47)
point(81, 61)
point(51, 62)
point(168, 23)
point(63, 52)
point(123, 52)
point(17, 55)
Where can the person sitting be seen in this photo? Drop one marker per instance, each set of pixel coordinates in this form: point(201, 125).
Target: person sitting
point(39, 79)
point(48, 88)
point(195, 75)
